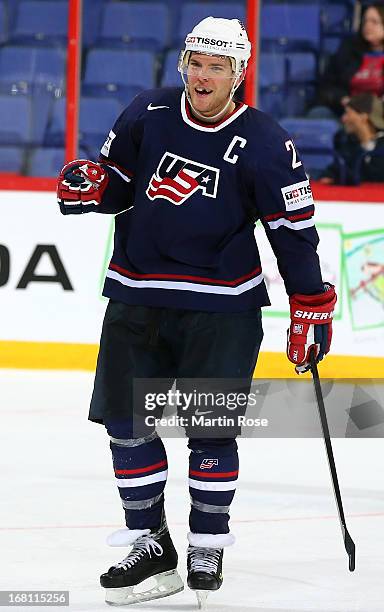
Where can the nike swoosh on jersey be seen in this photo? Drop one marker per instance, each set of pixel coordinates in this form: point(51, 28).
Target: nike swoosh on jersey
point(150, 107)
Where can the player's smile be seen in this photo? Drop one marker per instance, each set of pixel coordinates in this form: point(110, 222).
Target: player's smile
point(202, 95)
point(203, 92)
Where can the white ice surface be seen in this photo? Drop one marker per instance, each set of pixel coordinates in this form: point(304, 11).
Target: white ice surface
point(58, 502)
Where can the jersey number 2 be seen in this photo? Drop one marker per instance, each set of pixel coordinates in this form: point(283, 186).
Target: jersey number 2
point(291, 147)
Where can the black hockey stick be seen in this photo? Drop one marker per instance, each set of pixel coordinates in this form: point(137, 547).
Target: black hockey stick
point(348, 542)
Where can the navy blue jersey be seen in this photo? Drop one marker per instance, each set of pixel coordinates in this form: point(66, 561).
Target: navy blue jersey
point(188, 195)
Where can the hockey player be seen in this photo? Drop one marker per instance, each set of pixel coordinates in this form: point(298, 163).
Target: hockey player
point(188, 172)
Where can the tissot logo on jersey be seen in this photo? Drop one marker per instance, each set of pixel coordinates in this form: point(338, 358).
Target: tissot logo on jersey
point(177, 178)
point(297, 195)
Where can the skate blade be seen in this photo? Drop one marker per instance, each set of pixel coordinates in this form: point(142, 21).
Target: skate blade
point(167, 583)
point(202, 599)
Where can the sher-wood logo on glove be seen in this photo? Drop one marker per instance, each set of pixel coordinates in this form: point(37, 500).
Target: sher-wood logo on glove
point(304, 314)
point(311, 326)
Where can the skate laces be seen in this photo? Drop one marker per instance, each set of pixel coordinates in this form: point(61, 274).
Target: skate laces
point(142, 546)
point(204, 559)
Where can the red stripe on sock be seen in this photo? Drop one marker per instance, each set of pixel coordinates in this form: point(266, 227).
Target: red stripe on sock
point(214, 474)
point(142, 470)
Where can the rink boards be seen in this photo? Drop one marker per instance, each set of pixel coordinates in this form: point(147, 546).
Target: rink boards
point(52, 270)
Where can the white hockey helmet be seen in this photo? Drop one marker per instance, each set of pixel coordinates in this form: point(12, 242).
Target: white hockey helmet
point(217, 36)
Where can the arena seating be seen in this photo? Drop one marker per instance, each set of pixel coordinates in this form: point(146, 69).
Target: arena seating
point(97, 115)
point(50, 160)
point(170, 75)
point(16, 120)
point(282, 27)
point(119, 73)
point(12, 159)
point(40, 22)
point(314, 140)
point(133, 45)
point(134, 25)
point(25, 68)
point(3, 23)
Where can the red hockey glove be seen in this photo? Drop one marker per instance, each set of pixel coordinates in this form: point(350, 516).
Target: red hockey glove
point(311, 326)
point(80, 186)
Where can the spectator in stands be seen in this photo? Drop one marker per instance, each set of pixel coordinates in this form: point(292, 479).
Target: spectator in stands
point(360, 145)
point(357, 67)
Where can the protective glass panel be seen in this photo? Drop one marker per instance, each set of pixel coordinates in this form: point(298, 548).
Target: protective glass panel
point(33, 53)
point(126, 47)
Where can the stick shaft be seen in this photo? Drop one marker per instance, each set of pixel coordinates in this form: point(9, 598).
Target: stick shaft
point(327, 439)
point(348, 542)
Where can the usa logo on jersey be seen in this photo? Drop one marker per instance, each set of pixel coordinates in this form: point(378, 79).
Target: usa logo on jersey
point(177, 178)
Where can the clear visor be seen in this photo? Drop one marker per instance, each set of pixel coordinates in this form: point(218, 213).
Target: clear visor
point(192, 67)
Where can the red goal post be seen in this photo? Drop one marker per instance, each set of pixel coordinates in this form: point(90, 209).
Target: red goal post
point(252, 25)
point(73, 78)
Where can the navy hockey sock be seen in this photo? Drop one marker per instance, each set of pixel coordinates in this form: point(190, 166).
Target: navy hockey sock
point(140, 466)
point(213, 472)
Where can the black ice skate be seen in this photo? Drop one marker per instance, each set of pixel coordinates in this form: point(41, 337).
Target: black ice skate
point(204, 571)
point(152, 556)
